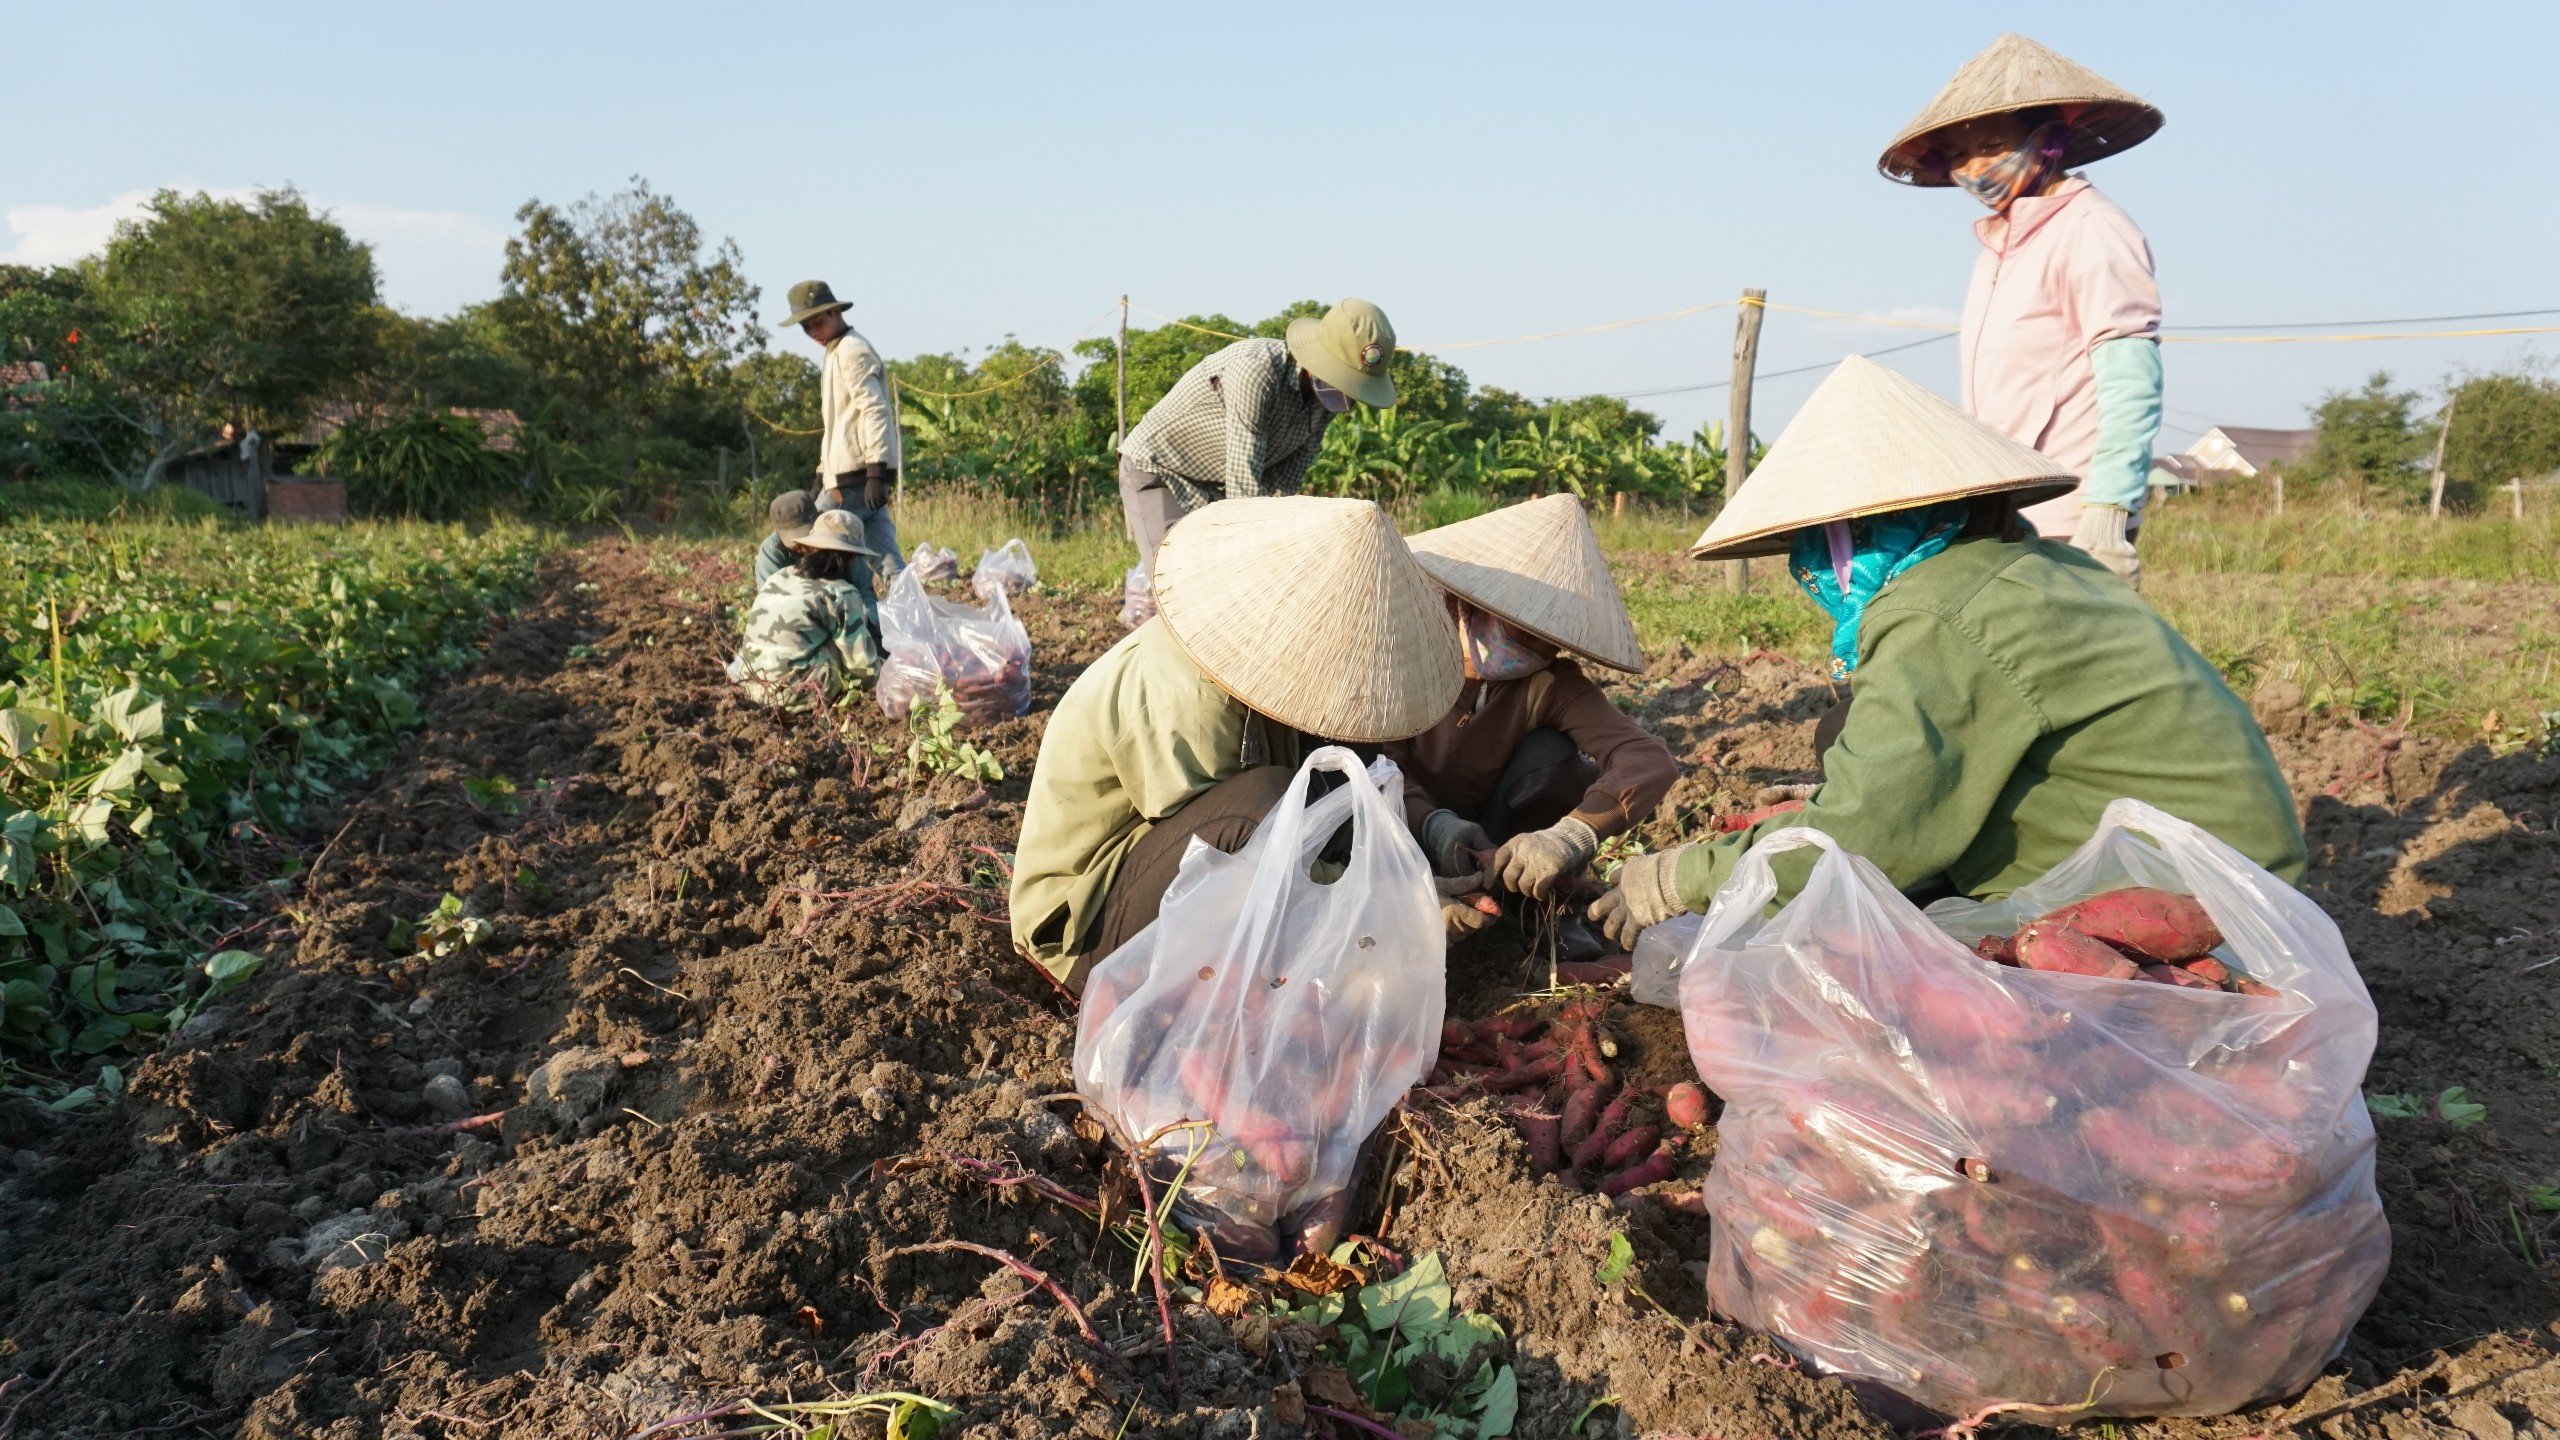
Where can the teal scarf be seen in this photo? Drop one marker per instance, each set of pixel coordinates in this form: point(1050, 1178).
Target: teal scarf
point(1844, 563)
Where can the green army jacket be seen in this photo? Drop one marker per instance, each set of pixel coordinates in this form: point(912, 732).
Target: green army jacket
point(2005, 692)
point(1137, 735)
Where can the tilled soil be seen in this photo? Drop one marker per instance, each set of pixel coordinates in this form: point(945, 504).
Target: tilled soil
point(668, 1137)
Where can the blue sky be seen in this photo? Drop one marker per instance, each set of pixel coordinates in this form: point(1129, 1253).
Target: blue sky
point(1481, 170)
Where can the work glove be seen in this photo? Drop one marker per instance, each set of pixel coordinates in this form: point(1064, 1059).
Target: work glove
point(1458, 917)
point(1535, 863)
point(1647, 894)
point(2101, 533)
point(1447, 836)
point(879, 482)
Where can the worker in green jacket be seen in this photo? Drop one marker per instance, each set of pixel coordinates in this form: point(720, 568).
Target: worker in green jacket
point(2003, 688)
point(1281, 623)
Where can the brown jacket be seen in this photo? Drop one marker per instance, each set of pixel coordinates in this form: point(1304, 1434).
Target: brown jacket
point(1455, 764)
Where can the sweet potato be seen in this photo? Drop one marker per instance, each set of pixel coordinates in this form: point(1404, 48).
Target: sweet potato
point(1543, 1129)
point(1949, 1014)
point(2179, 976)
point(1604, 1132)
point(2158, 925)
point(1320, 1223)
point(1629, 1147)
point(1510, 1027)
point(1581, 1112)
point(2246, 986)
point(1686, 1105)
point(1608, 970)
point(2207, 969)
point(1481, 902)
point(1456, 1035)
point(1991, 1101)
point(1524, 1075)
point(1998, 949)
point(1656, 1167)
point(2057, 949)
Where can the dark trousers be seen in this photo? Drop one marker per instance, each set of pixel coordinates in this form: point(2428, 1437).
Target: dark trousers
point(1223, 817)
point(1544, 779)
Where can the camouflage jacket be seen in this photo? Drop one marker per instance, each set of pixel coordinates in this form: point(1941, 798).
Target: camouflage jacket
point(800, 626)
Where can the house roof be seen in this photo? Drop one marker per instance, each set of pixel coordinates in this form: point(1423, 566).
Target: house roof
point(2262, 448)
point(23, 372)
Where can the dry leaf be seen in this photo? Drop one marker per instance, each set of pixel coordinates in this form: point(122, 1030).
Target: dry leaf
point(1227, 1299)
point(808, 1315)
point(1288, 1406)
point(1331, 1385)
point(1417, 1429)
point(1253, 1334)
point(1319, 1275)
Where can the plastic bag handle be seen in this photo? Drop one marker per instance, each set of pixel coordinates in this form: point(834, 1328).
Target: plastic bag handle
point(1300, 829)
point(1754, 883)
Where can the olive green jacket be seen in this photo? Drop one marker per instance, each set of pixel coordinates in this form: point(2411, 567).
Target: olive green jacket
point(2005, 692)
point(1138, 734)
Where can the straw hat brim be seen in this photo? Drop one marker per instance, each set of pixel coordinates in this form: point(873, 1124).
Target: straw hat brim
point(1312, 612)
point(2102, 128)
point(1539, 568)
point(1869, 442)
point(1306, 346)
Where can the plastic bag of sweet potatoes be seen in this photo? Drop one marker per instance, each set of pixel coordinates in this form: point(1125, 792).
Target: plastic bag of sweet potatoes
point(1249, 1041)
point(1975, 1183)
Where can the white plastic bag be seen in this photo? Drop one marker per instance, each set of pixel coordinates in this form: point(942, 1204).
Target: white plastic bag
point(1285, 1015)
point(1661, 951)
point(1007, 568)
point(985, 657)
point(1974, 1183)
point(1137, 597)
point(934, 563)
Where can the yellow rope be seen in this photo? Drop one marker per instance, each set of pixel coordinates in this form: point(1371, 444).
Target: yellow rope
point(1187, 325)
point(770, 425)
point(1860, 319)
point(906, 389)
point(2369, 335)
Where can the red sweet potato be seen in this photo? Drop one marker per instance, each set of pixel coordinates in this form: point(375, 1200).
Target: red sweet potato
point(1456, 1035)
point(2158, 925)
point(2247, 986)
point(1998, 949)
point(1608, 970)
point(1656, 1167)
point(1481, 902)
point(1511, 1027)
point(1948, 1014)
point(2207, 969)
point(1604, 1132)
point(1990, 1101)
point(1524, 1075)
point(1581, 1112)
point(1319, 1224)
point(2179, 976)
point(2058, 949)
point(1630, 1147)
point(1686, 1105)
point(1543, 1129)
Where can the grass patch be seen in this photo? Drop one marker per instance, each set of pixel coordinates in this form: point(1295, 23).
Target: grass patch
point(55, 499)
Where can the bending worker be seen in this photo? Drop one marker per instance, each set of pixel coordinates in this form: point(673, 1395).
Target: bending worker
point(858, 444)
point(2060, 344)
point(812, 624)
point(1248, 419)
point(1533, 759)
point(1281, 623)
point(2004, 688)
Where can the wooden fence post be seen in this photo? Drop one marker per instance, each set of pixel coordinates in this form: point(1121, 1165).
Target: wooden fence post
point(1737, 429)
point(2515, 487)
point(2435, 482)
point(1120, 380)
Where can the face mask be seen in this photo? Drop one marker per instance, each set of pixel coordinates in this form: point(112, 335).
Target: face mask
point(2000, 183)
point(1496, 652)
point(1331, 399)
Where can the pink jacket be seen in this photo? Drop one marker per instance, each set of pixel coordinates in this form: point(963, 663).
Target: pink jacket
point(2058, 274)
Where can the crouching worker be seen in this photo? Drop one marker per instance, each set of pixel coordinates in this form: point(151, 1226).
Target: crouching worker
point(1281, 623)
point(1533, 759)
point(812, 622)
point(2004, 688)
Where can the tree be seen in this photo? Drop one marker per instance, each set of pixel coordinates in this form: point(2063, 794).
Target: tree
point(2506, 425)
point(621, 313)
point(2368, 437)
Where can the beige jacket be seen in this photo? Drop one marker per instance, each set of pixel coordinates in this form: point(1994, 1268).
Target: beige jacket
point(1138, 734)
point(858, 416)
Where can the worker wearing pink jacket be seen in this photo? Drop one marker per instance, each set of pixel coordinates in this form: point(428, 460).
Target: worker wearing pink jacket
point(2060, 344)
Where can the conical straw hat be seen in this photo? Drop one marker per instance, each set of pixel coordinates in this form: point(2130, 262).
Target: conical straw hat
point(1867, 442)
point(1311, 612)
point(1538, 566)
point(2016, 73)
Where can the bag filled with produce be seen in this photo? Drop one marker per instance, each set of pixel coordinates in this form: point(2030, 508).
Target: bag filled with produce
point(1137, 597)
point(984, 656)
point(932, 563)
point(1252, 1037)
point(1007, 568)
point(2111, 1159)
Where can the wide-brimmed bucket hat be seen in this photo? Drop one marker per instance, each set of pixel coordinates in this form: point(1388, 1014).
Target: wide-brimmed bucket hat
point(811, 298)
point(1867, 442)
point(2016, 74)
point(835, 530)
point(1311, 612)
point(1538, 567)
point(1348, 348)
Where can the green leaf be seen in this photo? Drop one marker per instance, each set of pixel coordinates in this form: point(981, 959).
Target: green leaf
point(125, 713)
point(1622, 1258)
point(2545, 1198)
point(2402, 1106)
point(2459, 1110)
point(10, 924)
point(917, 1418)
point(1466, 1331)
point(1585, 1417)
point(229, 967)
point(1501, 1406)
point(1416, 1302)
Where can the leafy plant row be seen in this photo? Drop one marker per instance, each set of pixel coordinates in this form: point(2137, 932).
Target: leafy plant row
point(173, 700)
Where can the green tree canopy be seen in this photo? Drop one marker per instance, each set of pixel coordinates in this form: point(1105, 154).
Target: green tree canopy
point(2368, 436)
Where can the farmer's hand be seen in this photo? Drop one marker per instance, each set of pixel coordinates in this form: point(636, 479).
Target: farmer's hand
point(2101, 533)
point(1535, 863)
point(1447, 836)
point(1646, 895)
point(1459, 917)
point(877, 483)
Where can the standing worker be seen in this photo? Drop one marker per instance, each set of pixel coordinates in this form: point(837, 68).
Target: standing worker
point(858, 444)
point(2060, 347)
point(1533, 765)
point(1248, 419)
